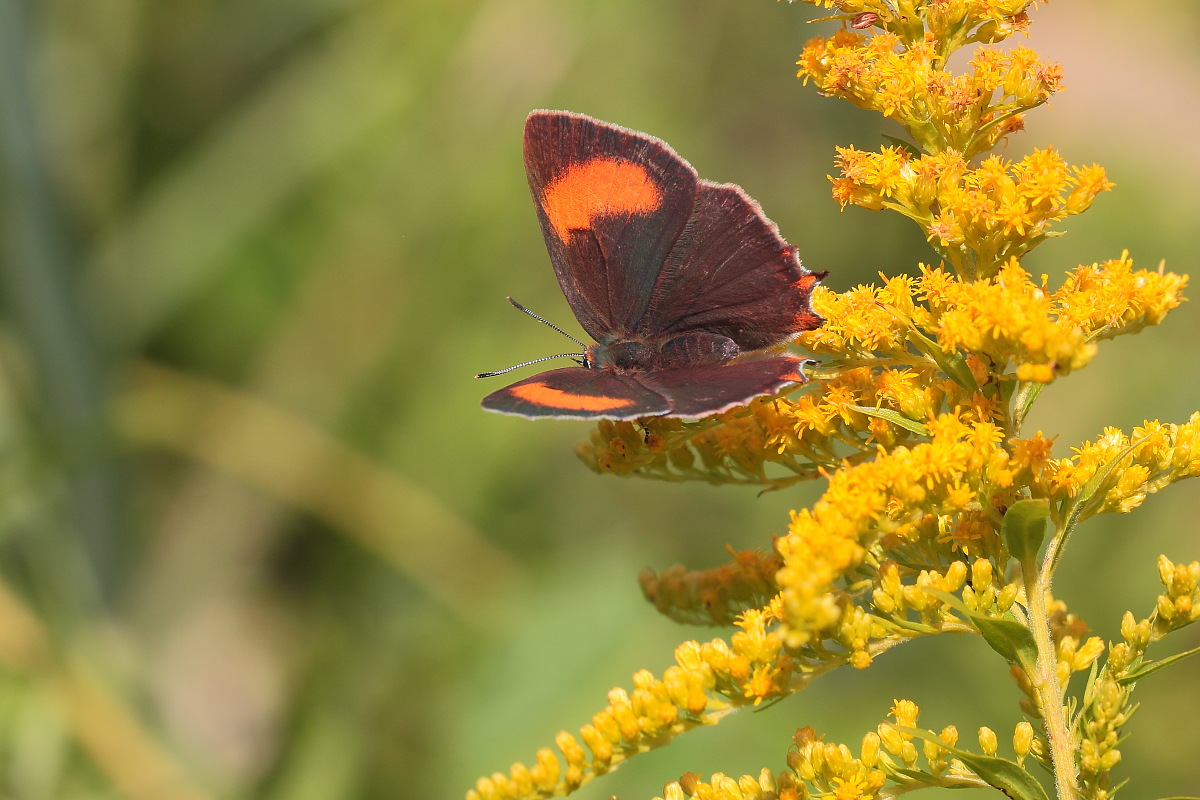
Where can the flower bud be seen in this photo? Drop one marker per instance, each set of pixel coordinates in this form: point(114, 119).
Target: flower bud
point(988, 742)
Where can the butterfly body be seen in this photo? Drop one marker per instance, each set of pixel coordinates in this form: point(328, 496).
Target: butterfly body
point(688, 349)
point(675, 278)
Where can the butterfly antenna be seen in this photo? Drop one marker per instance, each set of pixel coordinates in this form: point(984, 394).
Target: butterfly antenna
point(527, 363)
point(578, 359)
point(520, 307)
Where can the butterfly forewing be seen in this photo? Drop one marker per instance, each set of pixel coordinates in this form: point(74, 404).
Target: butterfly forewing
point(612, 203)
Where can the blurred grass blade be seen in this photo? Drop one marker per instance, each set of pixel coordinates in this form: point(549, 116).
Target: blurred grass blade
point(36, 270)
point(122, 748)
point(307, 469)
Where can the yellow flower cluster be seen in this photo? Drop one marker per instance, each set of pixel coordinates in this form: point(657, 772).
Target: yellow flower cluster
point(706, 681)
point(713, 596)
point(898, 600)
point(909, 495)
point(1180, 605)
point(1117, 470)
point(835, 772)
point(952, 23)
point(1106, 704)
point(731, 448)
point(1004, 327)
point(978, 217)
point(907, 80)
point(765, 786)
point(914, 417)
point(896, 356)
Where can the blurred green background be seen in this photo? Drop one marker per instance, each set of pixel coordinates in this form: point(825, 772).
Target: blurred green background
point(257, 539)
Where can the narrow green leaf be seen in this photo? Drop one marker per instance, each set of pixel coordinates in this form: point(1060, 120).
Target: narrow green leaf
point(1151, 667)
point(894, 417)
point(953, 364)
point(1007, 776)
point(1026, 395)
point(1024, 529)
point(1088, 492)
point(1009, 638)
point(1005, 635)
point(1091, 681)
point(908, 147)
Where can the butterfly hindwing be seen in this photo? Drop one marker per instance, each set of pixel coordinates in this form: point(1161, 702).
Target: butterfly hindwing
point(612, 203)
point(710, 389)
point(578, 393)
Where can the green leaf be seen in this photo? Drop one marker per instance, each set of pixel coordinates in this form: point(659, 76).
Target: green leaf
point(1007, 776)
point(1005, 635)
point(1151, 667)
point(953, 364)
point(1009, 638)
point(1025, 395)
point(1024, 530)
point(894, 417)
point(908, 147)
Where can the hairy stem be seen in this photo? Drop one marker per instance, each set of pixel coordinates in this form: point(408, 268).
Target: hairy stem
point(1054, 714)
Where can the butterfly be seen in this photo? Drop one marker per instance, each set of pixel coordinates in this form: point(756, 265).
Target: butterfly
point(678, 281)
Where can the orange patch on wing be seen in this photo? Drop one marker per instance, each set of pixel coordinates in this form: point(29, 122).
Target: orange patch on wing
point(796, 376)
point(600, 186)
point(806, 321)
point(543, 395)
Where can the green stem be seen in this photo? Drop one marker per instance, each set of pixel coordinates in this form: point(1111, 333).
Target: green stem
point(1054, 714)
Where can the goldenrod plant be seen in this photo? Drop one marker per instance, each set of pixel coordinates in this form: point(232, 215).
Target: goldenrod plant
point(941, 512)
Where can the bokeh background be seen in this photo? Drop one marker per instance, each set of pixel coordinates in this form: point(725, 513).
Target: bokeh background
point(257, 539)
